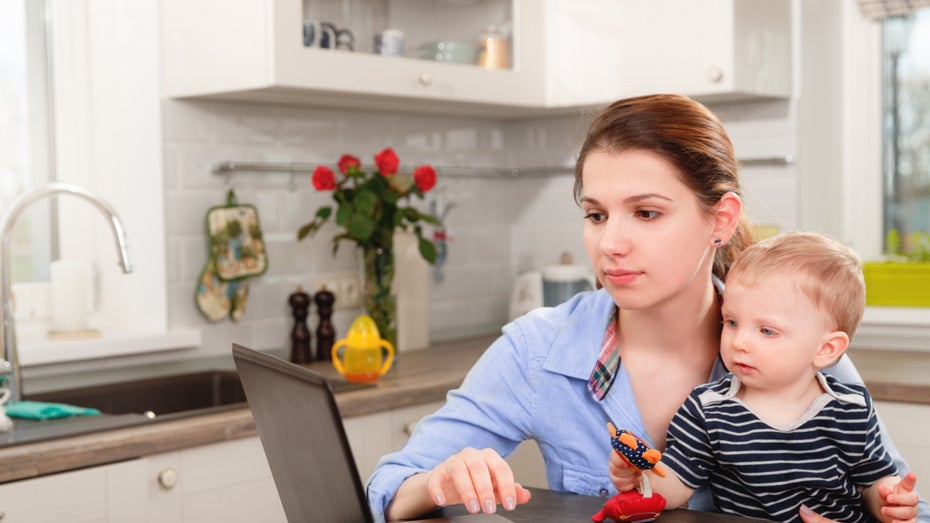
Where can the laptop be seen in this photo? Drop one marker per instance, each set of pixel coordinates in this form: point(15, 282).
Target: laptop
point(305, 442)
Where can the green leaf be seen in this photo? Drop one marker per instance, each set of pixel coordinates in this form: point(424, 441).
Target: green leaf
point(324, 212)
point(344, 214)
point(360, 227)
point(366, 202)
point(427, 250)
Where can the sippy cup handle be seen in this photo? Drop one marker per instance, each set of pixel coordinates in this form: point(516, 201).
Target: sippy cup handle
point(390, 357)
point(335, 357)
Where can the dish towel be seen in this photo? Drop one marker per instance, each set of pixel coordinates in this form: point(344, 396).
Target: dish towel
point(6, 424)
point(41, 410)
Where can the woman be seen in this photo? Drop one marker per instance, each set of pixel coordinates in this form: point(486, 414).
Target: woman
point(657, 180)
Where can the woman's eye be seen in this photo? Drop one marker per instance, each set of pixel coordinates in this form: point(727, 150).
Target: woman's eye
point(646, 214)
point(595, 217)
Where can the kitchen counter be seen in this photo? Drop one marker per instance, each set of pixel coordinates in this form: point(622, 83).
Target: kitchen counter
point(418, 377)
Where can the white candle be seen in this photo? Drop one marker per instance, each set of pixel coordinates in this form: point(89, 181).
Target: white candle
point(70, 291)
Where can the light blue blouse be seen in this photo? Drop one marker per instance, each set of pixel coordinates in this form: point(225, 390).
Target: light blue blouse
point(531, 383)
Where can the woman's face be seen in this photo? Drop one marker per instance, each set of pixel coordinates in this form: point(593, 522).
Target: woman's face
point(645, 232)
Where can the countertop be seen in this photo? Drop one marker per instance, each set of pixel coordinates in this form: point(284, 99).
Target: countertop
point(418, 377)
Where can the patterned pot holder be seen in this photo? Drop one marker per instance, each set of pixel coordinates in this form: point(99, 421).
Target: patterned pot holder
point(237, 253)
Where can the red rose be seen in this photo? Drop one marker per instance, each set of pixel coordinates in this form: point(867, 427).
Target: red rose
point(387, 162)
point(425, 177)
point(324, 179)
point(347, 161)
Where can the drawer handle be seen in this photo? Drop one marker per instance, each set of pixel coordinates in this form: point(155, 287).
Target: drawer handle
point(426, 78)
point(168, 479)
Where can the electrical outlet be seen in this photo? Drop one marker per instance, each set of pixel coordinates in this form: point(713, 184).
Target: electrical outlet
point(346, 288)
point(351, 290)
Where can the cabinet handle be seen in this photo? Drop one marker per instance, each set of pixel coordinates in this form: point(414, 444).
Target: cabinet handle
point(426, 78)
point(168, 478)
point(715, 74)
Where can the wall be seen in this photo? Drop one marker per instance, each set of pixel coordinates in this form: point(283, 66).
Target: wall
point(499, 226)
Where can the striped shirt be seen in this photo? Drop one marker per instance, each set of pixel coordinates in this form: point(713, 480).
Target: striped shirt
point(758, 470)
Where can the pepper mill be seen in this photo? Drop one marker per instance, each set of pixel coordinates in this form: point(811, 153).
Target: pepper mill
point(300, 335)
point(325, 332)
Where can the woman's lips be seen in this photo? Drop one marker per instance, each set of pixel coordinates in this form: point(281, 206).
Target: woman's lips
point(620, 277)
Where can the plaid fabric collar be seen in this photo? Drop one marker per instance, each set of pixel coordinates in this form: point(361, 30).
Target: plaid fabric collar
point(608, 362)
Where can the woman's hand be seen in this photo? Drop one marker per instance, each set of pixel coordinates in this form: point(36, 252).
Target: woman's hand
point(478, 479)
point(623, 475)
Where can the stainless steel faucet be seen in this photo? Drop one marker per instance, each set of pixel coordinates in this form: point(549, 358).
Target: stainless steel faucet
point(9, 363)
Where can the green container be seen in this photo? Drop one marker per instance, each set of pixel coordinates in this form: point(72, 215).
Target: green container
point(897, 284)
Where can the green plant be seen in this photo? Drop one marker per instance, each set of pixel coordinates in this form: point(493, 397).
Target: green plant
point(915, 250)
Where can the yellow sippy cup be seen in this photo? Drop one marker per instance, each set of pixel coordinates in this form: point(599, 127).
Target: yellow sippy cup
point(364, 359)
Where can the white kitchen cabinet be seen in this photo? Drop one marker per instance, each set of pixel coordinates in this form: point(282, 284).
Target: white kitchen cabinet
point(105, 494)
point(375, 435)
point(909, 424)
point(600, 50)
point(228, 481)
point(254, 50)
point(566, 54)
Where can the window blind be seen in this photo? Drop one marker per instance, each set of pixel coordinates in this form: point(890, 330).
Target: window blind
point(878, 9)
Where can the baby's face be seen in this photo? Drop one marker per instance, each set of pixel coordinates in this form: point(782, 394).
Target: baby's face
point(772, 333)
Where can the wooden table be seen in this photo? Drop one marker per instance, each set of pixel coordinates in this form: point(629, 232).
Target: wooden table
point(559, 507)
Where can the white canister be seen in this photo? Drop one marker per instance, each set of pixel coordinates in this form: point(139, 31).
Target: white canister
point(561, 282)
point(70, 295)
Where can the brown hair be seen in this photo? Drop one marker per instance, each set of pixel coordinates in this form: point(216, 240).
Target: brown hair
point(825, 270)
point(686, 134)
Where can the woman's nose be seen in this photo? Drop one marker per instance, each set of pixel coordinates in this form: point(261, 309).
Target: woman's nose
point(614, 240)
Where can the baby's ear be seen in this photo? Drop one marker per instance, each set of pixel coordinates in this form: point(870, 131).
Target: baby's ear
point(833, 346)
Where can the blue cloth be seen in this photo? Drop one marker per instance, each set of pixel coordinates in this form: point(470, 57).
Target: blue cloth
point(532, 383)
point(832, 450)
point(41, 410)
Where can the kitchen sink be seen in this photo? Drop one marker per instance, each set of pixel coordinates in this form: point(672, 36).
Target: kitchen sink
point(173, 395)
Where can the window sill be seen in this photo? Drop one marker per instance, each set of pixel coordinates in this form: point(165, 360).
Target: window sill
point(894, 328)
point(40, 350)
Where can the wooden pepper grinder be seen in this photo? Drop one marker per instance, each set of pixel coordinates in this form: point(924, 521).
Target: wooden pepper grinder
point(300, 335)
point(325, 332)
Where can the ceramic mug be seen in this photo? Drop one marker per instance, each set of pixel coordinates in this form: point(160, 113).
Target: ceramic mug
point(319, 34)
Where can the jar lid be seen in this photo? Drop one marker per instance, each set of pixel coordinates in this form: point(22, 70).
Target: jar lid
point(565, 273)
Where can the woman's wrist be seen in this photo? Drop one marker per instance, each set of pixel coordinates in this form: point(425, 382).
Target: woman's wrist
point(411, 500)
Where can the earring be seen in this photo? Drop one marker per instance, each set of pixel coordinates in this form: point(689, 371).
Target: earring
point(718, 242)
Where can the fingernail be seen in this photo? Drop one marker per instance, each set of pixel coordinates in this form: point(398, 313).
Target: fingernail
point(509, 503)
point(473, 507)
point(806, 510)
point(440, 500)
point(489, 506)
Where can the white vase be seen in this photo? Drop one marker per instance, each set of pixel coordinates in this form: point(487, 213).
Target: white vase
point(411, 287)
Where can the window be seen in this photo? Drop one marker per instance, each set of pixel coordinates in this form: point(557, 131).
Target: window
point(906, 88)
point(24, 135)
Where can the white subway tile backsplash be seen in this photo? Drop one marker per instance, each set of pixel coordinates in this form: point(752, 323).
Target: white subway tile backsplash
point(498, 226)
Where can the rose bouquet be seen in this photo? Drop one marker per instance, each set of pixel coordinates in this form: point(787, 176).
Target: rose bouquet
point(370, 207)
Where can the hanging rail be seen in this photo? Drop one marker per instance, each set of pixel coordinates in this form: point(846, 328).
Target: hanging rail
point(456, 171)
point(445, 170)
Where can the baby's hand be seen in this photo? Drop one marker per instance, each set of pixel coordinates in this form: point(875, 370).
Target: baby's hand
point(623, 475)
point(899, 501)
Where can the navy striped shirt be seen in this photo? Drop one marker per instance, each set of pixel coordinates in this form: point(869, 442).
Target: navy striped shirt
point(757, 470)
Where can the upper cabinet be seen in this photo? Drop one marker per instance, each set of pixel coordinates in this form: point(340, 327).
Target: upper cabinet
point(456, 55)
point(712, 50)
point(476, 57)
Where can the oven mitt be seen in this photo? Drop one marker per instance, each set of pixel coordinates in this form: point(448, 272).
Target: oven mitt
point(237, 253)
